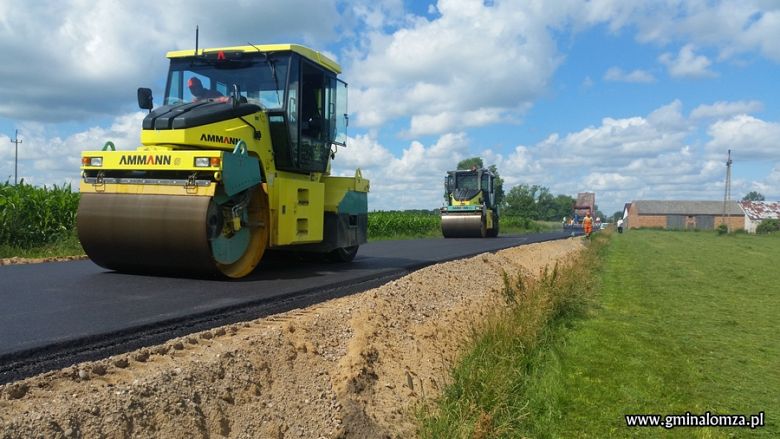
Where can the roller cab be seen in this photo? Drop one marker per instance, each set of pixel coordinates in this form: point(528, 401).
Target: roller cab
point(236, 161)
point(471, 209)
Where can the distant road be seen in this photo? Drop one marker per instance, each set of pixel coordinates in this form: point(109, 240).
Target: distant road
point(56, 314)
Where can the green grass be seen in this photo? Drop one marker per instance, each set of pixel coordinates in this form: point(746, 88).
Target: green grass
point(67, 245)
point(687, 322)
point(487, 397)
point(682, 322)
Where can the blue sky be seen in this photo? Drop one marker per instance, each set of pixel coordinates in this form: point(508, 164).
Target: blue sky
point(628, 99)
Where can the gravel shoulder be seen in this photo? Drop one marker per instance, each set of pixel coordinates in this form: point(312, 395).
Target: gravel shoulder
point(356, 366)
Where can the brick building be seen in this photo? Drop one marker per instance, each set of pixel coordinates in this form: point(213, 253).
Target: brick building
point(683, 215)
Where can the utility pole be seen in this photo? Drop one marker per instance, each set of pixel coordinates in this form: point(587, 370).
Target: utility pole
point(16, 155)
point(727, 194)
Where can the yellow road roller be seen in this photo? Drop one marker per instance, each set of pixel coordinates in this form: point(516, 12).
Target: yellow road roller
point(471, 209)
point(235, 161)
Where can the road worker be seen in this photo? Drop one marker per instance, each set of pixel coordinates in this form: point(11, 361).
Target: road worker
point(587, 224)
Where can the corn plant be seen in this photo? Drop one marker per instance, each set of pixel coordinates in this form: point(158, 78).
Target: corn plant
point(390, 224)
point(31, 216)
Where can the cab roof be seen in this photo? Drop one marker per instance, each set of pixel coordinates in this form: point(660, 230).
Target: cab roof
point(309, 54)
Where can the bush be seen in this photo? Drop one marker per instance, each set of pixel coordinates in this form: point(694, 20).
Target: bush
point(768, 226)
point(722, 229)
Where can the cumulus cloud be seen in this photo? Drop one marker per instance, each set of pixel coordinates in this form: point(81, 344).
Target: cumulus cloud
point(722, 109)
point(636, 76)
point(749, 138)
point(50, 159)
point(472, 65)
point(663, 130)
point(731, 27)
point(630, 158)
point(687, 64)
point(411, 180)
point(74, 59)
point(769, 186)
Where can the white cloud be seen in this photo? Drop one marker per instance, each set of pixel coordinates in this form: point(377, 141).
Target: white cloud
point(723, 109)
point(608, 181)
point(747, 137)
point(687, 64)
point(473, 65)
point(663, 130)
point(73, 59)
point(769, 187)
point(413, 180)
point(636, 76)
point(731, 27)
point(47, 159)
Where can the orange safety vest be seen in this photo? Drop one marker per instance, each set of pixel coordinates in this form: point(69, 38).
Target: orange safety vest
point(587, 223)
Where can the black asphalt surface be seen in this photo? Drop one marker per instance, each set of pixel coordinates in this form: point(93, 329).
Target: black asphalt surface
point(55, 314)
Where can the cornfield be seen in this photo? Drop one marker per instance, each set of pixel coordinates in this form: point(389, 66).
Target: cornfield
point(33, 216)
point(402, 224)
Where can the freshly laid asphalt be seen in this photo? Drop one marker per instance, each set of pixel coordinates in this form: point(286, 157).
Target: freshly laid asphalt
point(55, 314)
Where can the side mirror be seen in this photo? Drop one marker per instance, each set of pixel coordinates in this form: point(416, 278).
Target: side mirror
point(145, 98)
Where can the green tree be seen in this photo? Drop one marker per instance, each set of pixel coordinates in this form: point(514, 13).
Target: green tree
point(545, 204)
point(617, 215)
point(753, 196)
point(471, 162)
point(521, 201)
point(498, 185)
point(597, 213)
point(563, 207)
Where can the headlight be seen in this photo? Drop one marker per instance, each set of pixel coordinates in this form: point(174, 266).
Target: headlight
point(205, 162)
point(92, 161)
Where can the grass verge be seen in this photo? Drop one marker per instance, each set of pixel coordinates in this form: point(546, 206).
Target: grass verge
point(687, 322)
point(682, 322)
point(67, 245)
point(488, 394)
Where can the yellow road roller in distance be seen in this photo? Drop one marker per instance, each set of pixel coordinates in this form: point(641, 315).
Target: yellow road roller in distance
point(471, 209)
point(235, 162)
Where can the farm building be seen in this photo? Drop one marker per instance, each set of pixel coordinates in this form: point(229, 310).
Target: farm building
point(757, 211)
point(702, 215)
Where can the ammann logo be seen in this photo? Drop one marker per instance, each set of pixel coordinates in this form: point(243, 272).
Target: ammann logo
point(218, 139)
point(145, 160)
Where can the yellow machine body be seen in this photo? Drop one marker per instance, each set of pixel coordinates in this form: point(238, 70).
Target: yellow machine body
point(216, 179)
point(471, 209)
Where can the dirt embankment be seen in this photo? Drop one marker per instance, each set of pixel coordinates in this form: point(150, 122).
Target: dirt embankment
point(351, 367)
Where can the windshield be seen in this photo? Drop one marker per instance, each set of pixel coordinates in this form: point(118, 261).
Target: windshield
point(467, 181)
point(260, 81)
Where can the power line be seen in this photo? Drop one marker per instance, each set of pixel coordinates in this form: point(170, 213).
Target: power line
point(16, 141)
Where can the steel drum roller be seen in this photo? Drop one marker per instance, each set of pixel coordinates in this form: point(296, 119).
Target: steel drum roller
point(463, 226)
point(149, 233)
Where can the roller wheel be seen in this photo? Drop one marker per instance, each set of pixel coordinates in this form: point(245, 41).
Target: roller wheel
point(170, 234)
point(258, 222)
point(492, 233)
